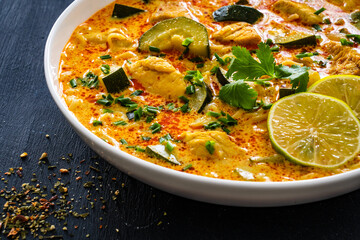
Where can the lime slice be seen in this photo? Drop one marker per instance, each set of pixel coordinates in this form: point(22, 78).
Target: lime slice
point(314, 130)
point(343, 87)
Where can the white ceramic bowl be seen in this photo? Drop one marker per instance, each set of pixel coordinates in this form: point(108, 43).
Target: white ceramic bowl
point(227, 192)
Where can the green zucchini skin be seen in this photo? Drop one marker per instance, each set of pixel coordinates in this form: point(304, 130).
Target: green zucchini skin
point(298, 41)
point(200, 98)
point(220, 75)
point(355, 19)
point(123, 11)
point(283, 92)
point(160, 34)
point(237, 13)
point(160, 152)
point(116, 81)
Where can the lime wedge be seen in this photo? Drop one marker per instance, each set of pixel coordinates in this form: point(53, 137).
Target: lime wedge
point(314, 130)
point(343, 87)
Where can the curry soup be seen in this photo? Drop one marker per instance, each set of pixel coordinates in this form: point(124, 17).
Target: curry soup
point(166, 107)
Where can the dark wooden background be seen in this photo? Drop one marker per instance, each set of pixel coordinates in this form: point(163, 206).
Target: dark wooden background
point(28, 113)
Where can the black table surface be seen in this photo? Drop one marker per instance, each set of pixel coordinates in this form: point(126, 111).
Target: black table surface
point(28, 114)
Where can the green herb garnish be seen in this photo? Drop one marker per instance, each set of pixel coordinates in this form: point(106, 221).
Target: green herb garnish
point(210, 146)
point(307, 54)
point(145, 138)
point(213, 114)
point(187, 42)
point(106, 100)
point(156, 127)
point(97, 123)
point(164, 138)
point(119, 123)
point(73, 83)
point(106, 110)
point(214, 70)
point(317, 27)
point(245, 68)
point(137, 93)
point(169, 146)
point(154, 49)
point(185, 108)
point(187, 167)
point(355, 36)
point(345, 42)
point(195, 77)
point(105, 57)
point(319, 11)
point(184, 99)
point(138, 114)
point(105, 68)
point(190, 89)
point(212, 125)
point(219, 59)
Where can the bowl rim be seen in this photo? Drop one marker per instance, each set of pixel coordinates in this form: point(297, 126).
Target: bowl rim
point(175, 177)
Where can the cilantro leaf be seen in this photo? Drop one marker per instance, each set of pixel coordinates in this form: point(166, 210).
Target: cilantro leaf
point(238, 94)
point(266, 58)
point(298, 76)
point(244, 66)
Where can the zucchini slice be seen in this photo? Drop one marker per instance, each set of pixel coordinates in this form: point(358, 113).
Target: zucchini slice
point(237, 13)
point(200, 98)
point(160, 152)
point(355, 19)
point(283, 92)
point(296, 40)
point(166, 34)
point(221, 76)
point(123, 11)
point(116, 81)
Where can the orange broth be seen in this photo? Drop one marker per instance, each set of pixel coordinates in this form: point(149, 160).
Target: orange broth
point(88, 42)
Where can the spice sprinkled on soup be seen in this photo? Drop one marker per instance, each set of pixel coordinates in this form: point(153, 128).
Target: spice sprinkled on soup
point(241, 90)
